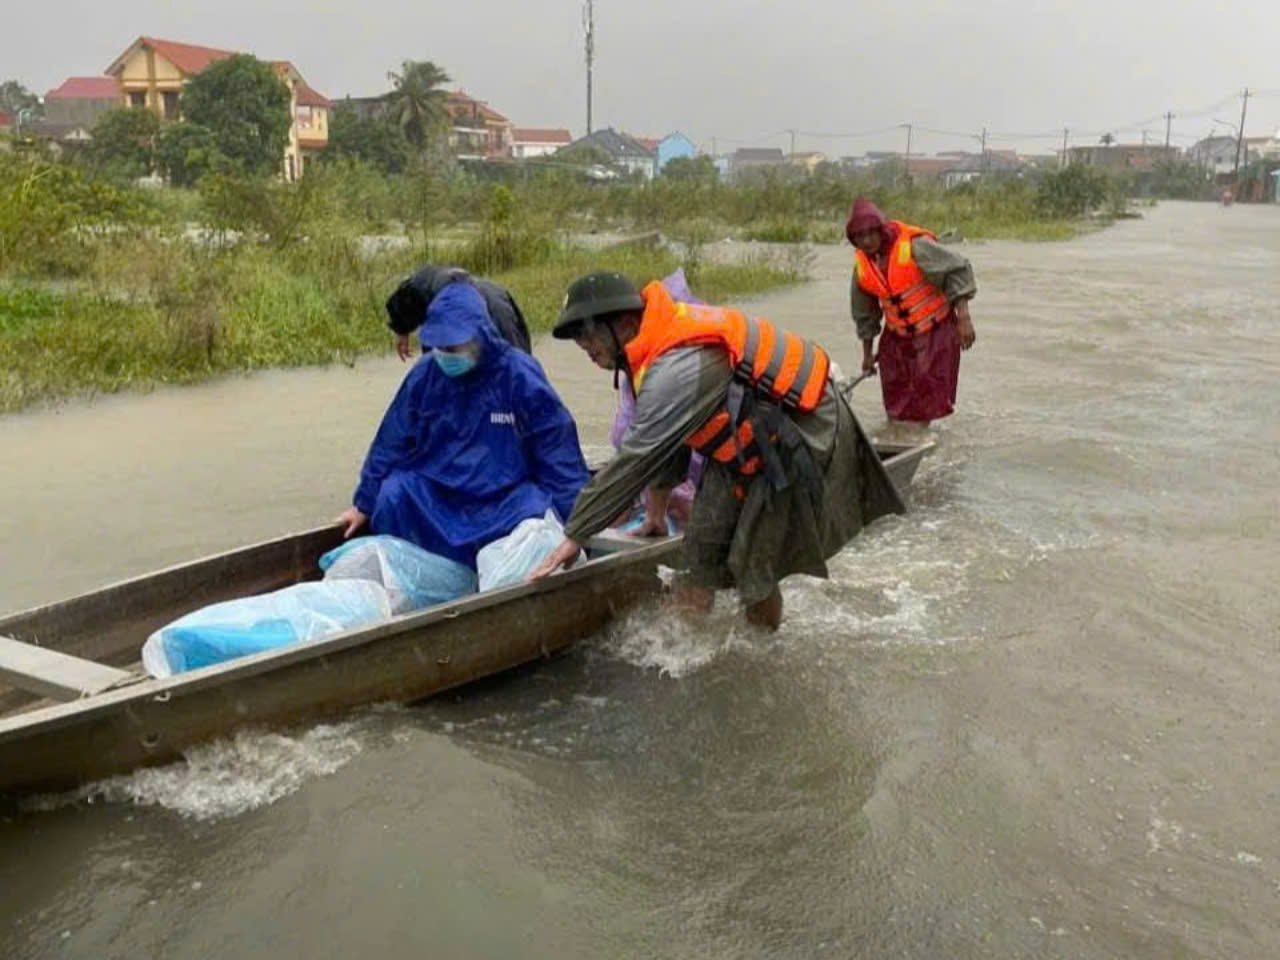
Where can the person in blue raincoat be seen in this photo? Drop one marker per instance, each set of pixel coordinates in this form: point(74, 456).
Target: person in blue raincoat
point(475, 441)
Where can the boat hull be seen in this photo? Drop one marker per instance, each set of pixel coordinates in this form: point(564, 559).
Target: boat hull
point(410, 657)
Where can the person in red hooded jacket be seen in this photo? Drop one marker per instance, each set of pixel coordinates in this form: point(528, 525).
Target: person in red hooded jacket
point(913, 293)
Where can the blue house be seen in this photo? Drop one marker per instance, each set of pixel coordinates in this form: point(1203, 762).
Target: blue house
point(674, 145)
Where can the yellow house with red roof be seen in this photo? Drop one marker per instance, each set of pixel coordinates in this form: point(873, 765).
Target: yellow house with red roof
point(152, 72)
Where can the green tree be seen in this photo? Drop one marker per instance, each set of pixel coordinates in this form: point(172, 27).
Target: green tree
point(417, 102)
point(186, 152)
point(376, 140)
point(1072, 192)
point(695, 169)
point(123, 142)
point(584, 155)
point(1181, 180)
point(1107, 139)
point(245, 106)
point(14, 97)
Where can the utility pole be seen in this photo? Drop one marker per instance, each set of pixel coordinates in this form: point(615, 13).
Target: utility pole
point(714, 154)
point(1168, 130)
point(984, 149)
point(1235, 176)
point(793, 142)
point(906, 164)
point(1065, 131)
point(589, 22)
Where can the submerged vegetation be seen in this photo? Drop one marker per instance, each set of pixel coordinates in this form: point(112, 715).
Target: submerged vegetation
point(107, 286)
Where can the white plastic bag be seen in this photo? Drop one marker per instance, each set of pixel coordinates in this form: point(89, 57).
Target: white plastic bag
point(511, 559)
point(412, 577)
point(237, 628)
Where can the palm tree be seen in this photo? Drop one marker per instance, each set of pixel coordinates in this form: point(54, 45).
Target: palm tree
point(417, 104)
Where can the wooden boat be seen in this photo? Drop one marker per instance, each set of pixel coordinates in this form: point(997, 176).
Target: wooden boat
point(76, 705)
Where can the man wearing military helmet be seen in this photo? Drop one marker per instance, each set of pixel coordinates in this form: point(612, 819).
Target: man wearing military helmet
point(790, 477)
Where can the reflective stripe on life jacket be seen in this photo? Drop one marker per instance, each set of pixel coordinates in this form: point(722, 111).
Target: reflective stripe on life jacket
point(769, 364)
point(910, 303)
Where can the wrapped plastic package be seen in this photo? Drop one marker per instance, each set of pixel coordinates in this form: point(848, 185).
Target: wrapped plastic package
point(412, 577)
point(237, 628)
point(511, 559)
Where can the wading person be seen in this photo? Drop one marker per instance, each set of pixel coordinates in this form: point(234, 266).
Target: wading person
point(475, 441)
point(408, 305)
point(914, 294)
point(789, 476)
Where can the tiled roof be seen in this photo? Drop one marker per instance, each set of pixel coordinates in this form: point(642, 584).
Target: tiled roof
point(85, 88)
point(459, 101)
point(187, 57)
point(618, 145)
point(929, 165)
point(192, 59)
point(310, 97)
point(539, 135)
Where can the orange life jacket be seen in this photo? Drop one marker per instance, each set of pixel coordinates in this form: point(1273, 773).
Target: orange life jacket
point(910, 303)
point(779, 366)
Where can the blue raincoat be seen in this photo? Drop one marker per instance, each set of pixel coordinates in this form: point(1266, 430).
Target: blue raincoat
point(459, 461)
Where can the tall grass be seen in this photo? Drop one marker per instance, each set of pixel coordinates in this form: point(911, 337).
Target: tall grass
point(105, 287)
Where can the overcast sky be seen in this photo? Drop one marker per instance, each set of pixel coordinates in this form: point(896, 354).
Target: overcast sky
point(741, 71)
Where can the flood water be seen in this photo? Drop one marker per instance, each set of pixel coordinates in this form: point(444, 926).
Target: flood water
point(1035, 717)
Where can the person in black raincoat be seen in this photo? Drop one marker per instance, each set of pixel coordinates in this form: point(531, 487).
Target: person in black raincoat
point(407, 306)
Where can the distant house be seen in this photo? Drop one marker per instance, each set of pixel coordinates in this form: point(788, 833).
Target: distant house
point(928, 167)
point(808, 162)
point(529, 142)
point(1269, 147)
point(999, 164)
point(152, 73)
point(855, 162)
point(1259, 147)
point(626, 154)
point(61, 137)
point(755, 158)
point(1121, 156)
point(670, 147)
point(477, 131)
point(1215, 153)
point(82, 100)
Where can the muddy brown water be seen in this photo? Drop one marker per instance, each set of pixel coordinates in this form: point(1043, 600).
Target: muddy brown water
point(1033, 718)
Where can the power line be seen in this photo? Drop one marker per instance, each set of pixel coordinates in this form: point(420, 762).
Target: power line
point(997, 136)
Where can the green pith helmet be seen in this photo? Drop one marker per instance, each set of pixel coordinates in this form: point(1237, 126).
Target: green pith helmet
point(595, 295)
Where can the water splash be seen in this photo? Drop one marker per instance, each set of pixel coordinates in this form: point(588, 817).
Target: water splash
point(675, 645)
point(224, 778)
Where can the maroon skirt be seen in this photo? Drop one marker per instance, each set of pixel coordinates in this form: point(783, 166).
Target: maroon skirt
point(918, 375)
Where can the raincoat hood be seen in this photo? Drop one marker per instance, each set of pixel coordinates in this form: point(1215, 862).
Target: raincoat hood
point(865, 215)
point(458, 315)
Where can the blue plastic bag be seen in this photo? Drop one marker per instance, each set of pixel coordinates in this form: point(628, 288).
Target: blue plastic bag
point(237, 628)
point(412, 577)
